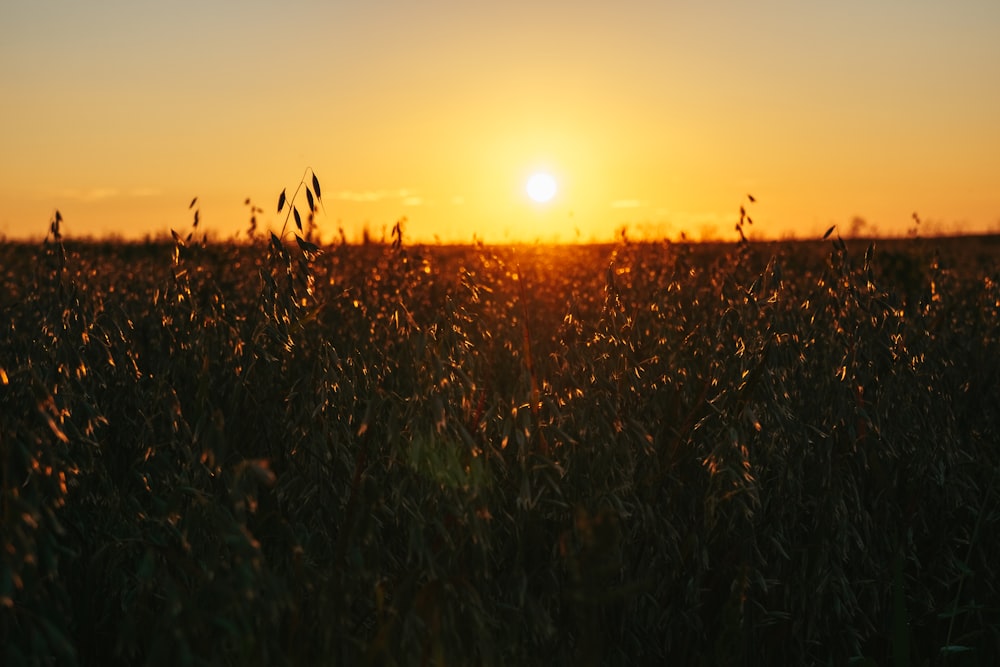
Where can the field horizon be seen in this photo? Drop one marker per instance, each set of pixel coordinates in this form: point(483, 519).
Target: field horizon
point(166, 238)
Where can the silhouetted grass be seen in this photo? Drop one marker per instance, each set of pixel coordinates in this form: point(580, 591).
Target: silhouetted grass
point(271, 454)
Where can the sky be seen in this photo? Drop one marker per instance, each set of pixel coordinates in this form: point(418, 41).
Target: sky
point(657, 117)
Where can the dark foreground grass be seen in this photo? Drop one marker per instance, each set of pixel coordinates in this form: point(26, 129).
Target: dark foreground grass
point(640, 454)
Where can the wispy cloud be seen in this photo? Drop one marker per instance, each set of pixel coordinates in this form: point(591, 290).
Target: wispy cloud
point(413, 201)
point(627, 203)
point(91, 195)
point(369, 196)
point(362, 196)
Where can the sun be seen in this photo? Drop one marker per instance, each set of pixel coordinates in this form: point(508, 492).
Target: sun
point(541, 187)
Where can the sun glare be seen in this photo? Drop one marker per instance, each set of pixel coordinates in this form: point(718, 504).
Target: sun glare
point(541, 187)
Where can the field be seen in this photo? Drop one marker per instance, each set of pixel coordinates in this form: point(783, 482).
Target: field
point(645, 453)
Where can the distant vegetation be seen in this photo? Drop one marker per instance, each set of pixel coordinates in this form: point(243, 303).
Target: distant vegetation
point(665, 453)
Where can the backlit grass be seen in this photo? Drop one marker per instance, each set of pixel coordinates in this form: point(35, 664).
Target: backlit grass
point(635, 454)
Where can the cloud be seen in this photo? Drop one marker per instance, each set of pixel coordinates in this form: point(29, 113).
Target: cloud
point(626, 203)
point(365, 196)
point(407, 196)
point(92, 195)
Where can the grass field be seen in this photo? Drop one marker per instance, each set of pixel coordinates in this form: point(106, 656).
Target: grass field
point(646, 453)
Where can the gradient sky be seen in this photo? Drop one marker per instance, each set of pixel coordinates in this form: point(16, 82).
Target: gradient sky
point(659, 115)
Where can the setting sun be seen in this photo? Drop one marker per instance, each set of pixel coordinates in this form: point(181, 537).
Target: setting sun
point(541, 187)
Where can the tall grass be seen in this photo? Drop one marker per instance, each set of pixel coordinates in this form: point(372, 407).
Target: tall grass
point(641, 453)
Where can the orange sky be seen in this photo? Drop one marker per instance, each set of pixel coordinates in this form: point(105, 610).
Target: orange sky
point(658, 115)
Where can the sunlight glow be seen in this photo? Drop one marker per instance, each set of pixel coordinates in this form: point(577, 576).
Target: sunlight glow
point(541, 187)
